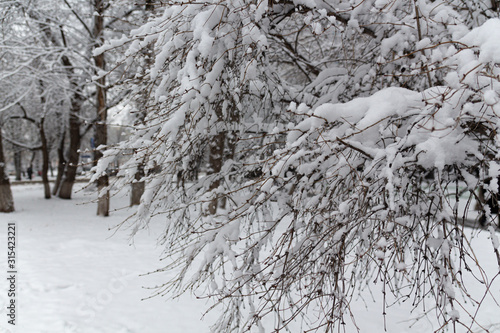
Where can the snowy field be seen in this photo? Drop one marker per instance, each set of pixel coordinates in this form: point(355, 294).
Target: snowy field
point(77, 275)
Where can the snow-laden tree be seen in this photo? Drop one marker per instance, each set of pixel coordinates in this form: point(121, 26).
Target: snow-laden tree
point(39, 40)
point(298, 150)
point(53, 41)
point(36, 94)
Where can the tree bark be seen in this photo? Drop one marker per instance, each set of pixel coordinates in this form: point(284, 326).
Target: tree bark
point(45, 160)
point(101, 136)
point(6, 199)
point(74, 145)
point(232, 139)
point(103, 199)
point(137, 187)
point(215, 161)
point(61, 164)
point(18, 163)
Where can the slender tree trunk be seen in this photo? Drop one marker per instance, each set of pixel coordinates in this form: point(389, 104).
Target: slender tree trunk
point(137, 191)
point(137, 187)
point(6, 199)
point(215, 161)
point(33, 156)
point(74, 145)
point(18, 163)
point(61, 164)
point(218, 153)
point(45, 160)
point(232, 139)
point(101, 136)
point(103, 199)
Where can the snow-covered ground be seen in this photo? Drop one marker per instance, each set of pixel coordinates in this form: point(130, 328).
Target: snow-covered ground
point(76, 275)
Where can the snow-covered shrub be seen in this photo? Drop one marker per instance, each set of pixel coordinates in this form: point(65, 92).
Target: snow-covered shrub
point(299, 149)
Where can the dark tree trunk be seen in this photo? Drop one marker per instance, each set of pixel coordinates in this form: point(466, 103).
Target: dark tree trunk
point(61, 164)
point(74, 145)
point(45, 160)
point(215, 161)
point(101, 136)
point(230, 150)
point(6, 199)
point(18, 163)
point(150, 5)
point(494, 5)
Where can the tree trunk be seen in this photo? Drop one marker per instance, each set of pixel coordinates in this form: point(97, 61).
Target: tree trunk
point(45, 160)
point(137, 191)
point(150, 5)
point(74, 145)
point(232, 139)
point(137, 187)
point(6, 199)
point(101, 136)
point(494, 5)
point(215, 161)
point(33, 171)
point(103, 199)
point(18, 163)
point(61, 164)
